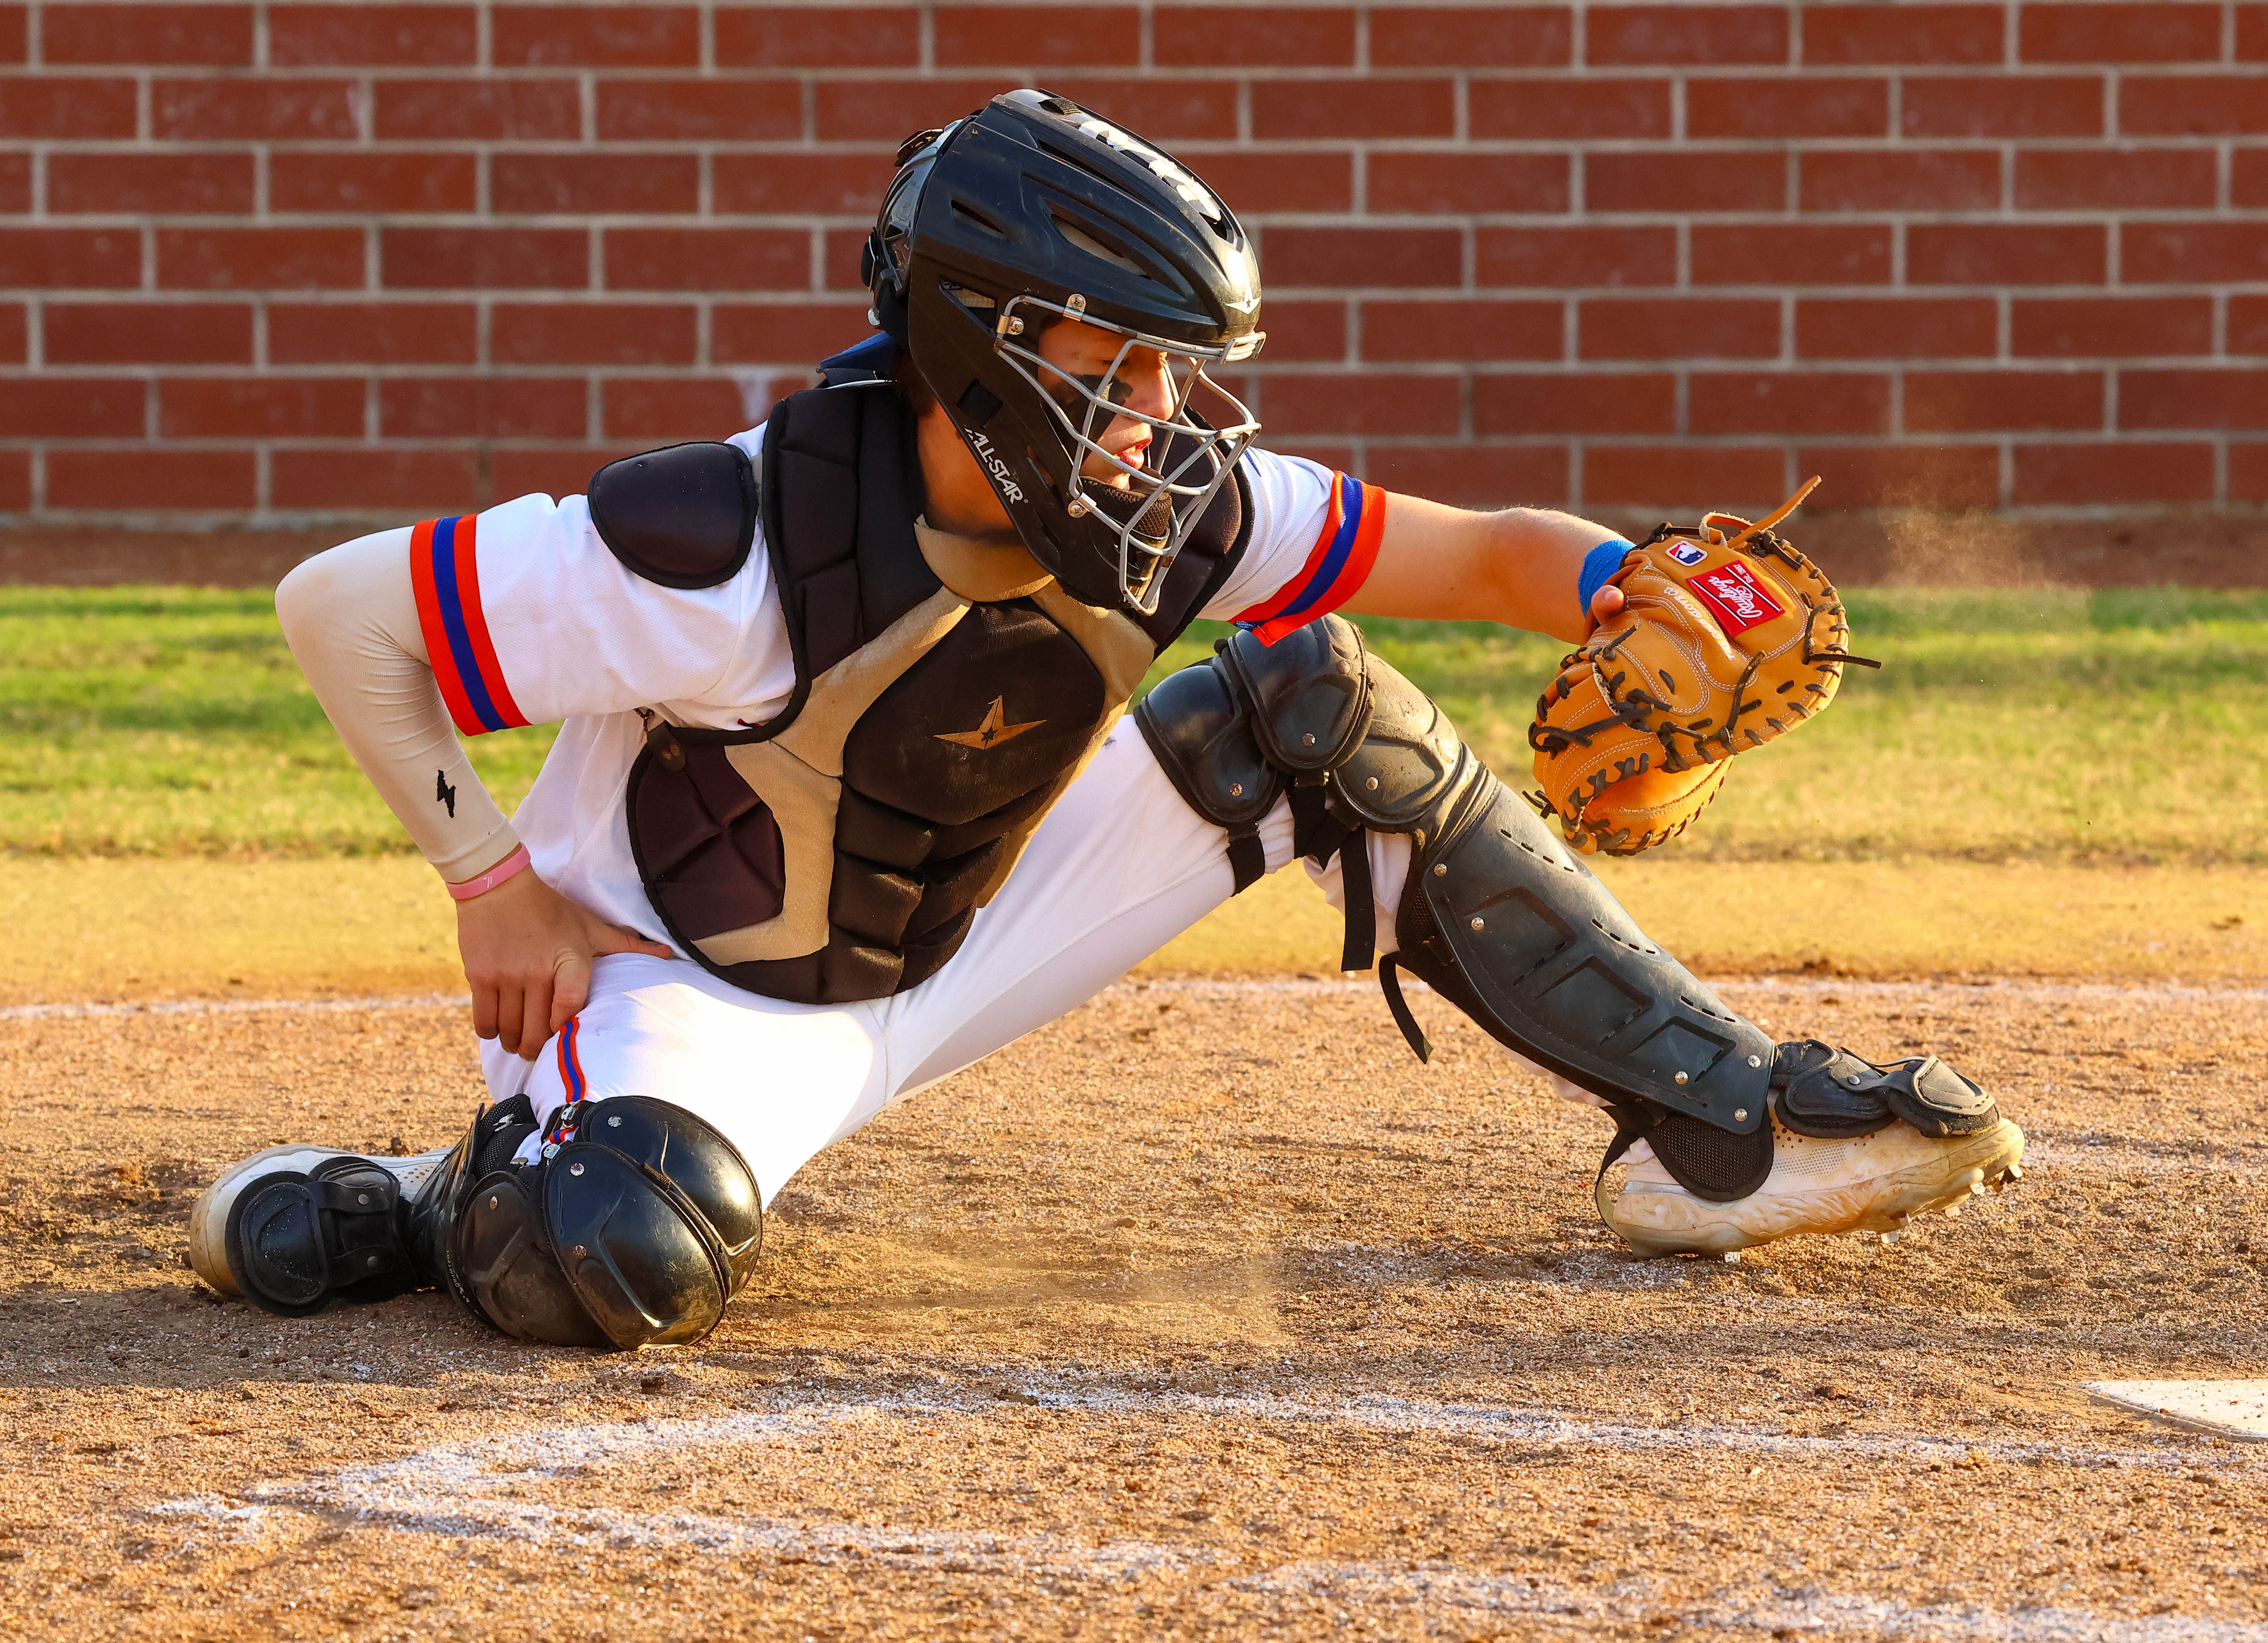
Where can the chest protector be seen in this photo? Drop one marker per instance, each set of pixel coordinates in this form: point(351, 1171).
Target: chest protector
point(946, 693)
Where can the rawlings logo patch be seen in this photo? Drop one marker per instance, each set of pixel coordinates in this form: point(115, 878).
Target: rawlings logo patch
point(1687, 553)
point(1734, 598)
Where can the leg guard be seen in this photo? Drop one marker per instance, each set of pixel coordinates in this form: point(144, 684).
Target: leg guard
point(635, 1226)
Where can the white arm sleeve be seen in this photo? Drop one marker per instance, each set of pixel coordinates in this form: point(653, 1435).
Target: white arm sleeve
point(350, 616)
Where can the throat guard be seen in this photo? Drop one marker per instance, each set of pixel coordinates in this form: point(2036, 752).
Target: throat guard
point(946, 693)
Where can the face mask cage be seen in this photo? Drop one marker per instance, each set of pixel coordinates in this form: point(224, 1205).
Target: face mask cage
point(1153, 511)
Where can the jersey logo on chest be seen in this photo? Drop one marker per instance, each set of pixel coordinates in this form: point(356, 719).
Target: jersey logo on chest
point(993, 730)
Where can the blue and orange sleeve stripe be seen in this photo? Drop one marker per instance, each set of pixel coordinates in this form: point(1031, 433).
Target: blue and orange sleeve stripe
point(1337, 567)
point(447, 579)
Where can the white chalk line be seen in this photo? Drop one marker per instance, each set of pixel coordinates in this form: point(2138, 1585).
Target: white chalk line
point(2066, 992)
point(470, 1489)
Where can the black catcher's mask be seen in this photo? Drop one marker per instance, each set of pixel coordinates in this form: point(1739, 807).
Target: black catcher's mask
point(1034, 212)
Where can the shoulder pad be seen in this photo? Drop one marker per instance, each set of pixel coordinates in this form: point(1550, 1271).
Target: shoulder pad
point(684, 516)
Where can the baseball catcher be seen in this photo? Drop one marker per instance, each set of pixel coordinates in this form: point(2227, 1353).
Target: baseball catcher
point(845, 797)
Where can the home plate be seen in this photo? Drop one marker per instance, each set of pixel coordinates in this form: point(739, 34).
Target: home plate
point(2227, 1409)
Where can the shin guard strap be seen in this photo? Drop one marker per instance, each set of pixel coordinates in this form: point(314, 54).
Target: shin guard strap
point(1389, 983)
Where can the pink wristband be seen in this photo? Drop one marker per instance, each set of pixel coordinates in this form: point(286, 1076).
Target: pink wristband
point(467, 888)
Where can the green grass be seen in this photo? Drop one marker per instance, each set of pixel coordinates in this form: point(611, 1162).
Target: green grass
point(2055, 726)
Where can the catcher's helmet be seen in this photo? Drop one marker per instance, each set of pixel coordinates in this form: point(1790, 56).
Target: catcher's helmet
point(1034, 212)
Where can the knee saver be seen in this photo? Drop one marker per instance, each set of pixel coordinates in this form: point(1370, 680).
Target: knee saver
point(637, 1225)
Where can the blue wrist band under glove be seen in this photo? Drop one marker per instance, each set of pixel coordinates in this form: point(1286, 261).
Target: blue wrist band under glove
point(1598, 564)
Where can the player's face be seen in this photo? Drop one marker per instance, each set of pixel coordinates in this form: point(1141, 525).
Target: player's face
point(1142, 383)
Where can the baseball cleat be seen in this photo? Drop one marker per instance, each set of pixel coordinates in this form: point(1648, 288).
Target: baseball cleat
point(290, 1227)
point(1863, 1183)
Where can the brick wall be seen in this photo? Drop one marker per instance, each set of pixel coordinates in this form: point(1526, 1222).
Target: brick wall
point(278, 262)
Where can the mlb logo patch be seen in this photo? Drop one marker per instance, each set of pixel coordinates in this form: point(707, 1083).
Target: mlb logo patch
point(1734, 598)
point(1687, 553)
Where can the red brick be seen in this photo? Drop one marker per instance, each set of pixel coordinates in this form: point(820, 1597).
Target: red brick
point(1253, 37)
point(15, 183)
point(2252, 33)
point(2002, 105)
point(55, 109)
point(1568, 110)
point(1259, 182)
point(819, 37)
point(1925, 180)
point(2153, 31)
point(2248, 472)
point(2155, 179)
point(1790, 401)
point(477, 110)
point(2005, 254)
point(14, 33)
point(73, 408)
point(2187, 254)
point(1531, 402)
point(185, 481)
point(259, 259)
point(1576, 258)
point(373, 333)
point(1440, 184)
point(209, 35)
point(1164, 111)
point(1901, 33)
point(156, 184)
point(1678, 327)
point(15, 482)
point(1950, 478)
point(2193, 399)
point(595, 36)
point(2235, 104)
point(700, 111)
point(550, 184)
point(839, 265)
point(593, 334)
point(2248, 177)
point(1314, 329)
point(1687, 33)
point(429, 259)
point(675, 407)
point(1363, 402)
point(1472, 476)
point(1987, 401)
point(413, 482)
point(260, 408)
point(14, 335)
point(886, 112)
point(1800, 254)
point(1350, 109)
point(974, 36)
point(1363, 256)
point(833, 185)
point(2248, 325)
point(1684, 182)
point(560, 472)
point(1910, 327)
point(147, 334)
point(776, 333)
point(482, 407)
point(708, 259)
point(1810, 106)
point(59, 259)
point(1486, 329)
point(2109, 327)
point(251, 111)
point(353, 36)
point(1685, 478)
point(1470, 37)
point(2127, 471)
point(387, 180)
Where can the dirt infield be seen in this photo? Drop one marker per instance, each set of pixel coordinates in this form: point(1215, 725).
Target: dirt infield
point(1205, 1312)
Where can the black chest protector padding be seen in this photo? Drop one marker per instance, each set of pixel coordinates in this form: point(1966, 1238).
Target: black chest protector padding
point(684, 516)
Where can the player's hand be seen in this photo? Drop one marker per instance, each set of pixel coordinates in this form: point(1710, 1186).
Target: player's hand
point(528, 952)
point(1606, 605)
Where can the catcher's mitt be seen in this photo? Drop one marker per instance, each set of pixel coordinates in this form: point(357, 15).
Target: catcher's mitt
point(1730, 638)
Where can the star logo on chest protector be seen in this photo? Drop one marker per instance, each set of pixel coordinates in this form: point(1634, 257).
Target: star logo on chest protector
point(992, 732)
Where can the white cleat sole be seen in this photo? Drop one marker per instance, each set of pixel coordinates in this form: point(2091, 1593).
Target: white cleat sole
point(1873, 1185)
point(208, 1215)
